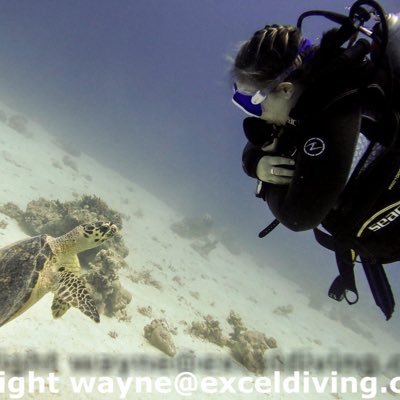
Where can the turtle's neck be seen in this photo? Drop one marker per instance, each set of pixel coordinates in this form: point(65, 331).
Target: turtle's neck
point(71, 242)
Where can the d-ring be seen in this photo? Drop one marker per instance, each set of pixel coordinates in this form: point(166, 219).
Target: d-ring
point(272, 171)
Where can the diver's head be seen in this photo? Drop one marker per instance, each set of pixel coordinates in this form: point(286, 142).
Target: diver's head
point(268, 72)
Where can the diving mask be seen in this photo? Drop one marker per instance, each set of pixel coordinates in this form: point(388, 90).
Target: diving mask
point(251, 103)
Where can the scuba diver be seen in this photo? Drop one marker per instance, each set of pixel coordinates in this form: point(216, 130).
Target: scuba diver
point(323, 137)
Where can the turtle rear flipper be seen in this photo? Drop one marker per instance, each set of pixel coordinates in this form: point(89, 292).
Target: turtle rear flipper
point(72, 292)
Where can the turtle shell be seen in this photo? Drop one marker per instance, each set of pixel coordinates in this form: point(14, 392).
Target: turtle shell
point(20, 266)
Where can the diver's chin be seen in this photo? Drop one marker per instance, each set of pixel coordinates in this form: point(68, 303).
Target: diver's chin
point(281, 121)
point(267, 119)
point(276, 122)
point(273, 120)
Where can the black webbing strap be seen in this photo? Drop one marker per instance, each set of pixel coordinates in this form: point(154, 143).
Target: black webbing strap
point(269, 228)
point(380, 286)
point(345, 282)
point(324, 239)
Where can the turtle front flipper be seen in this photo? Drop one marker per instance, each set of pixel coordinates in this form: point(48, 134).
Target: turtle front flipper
point(59, 307)
point(72, 291)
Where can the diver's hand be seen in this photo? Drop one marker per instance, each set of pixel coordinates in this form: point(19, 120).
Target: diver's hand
point(275, 169)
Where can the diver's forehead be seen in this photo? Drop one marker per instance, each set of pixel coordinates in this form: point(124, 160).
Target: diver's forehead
point(246, 87)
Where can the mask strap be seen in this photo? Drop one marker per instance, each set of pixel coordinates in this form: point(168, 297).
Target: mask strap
point(303, 55)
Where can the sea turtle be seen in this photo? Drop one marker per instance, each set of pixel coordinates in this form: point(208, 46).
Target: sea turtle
point(35, 266)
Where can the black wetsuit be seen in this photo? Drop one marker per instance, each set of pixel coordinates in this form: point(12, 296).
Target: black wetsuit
point(325, 149)
point(329, 115)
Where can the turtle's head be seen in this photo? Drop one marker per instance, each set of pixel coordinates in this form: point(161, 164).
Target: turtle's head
point(84, 237)
point(93, 234)
point(96, 233)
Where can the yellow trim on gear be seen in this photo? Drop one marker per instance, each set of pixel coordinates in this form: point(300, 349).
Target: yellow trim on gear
point(360, 232)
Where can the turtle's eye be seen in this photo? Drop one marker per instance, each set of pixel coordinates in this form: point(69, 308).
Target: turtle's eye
point(89, 228)
point(61, 269)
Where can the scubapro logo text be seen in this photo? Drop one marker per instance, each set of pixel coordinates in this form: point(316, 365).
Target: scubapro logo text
point(386, 220)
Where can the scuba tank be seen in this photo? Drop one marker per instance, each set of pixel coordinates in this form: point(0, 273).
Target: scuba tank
point(386, 37)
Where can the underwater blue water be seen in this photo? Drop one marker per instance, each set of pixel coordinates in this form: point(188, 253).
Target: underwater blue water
point(144, 86)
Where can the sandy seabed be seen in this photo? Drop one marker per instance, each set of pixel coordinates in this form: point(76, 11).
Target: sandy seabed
point(186, 290)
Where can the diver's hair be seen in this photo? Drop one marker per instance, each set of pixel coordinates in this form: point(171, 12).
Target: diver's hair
point(267, 54)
